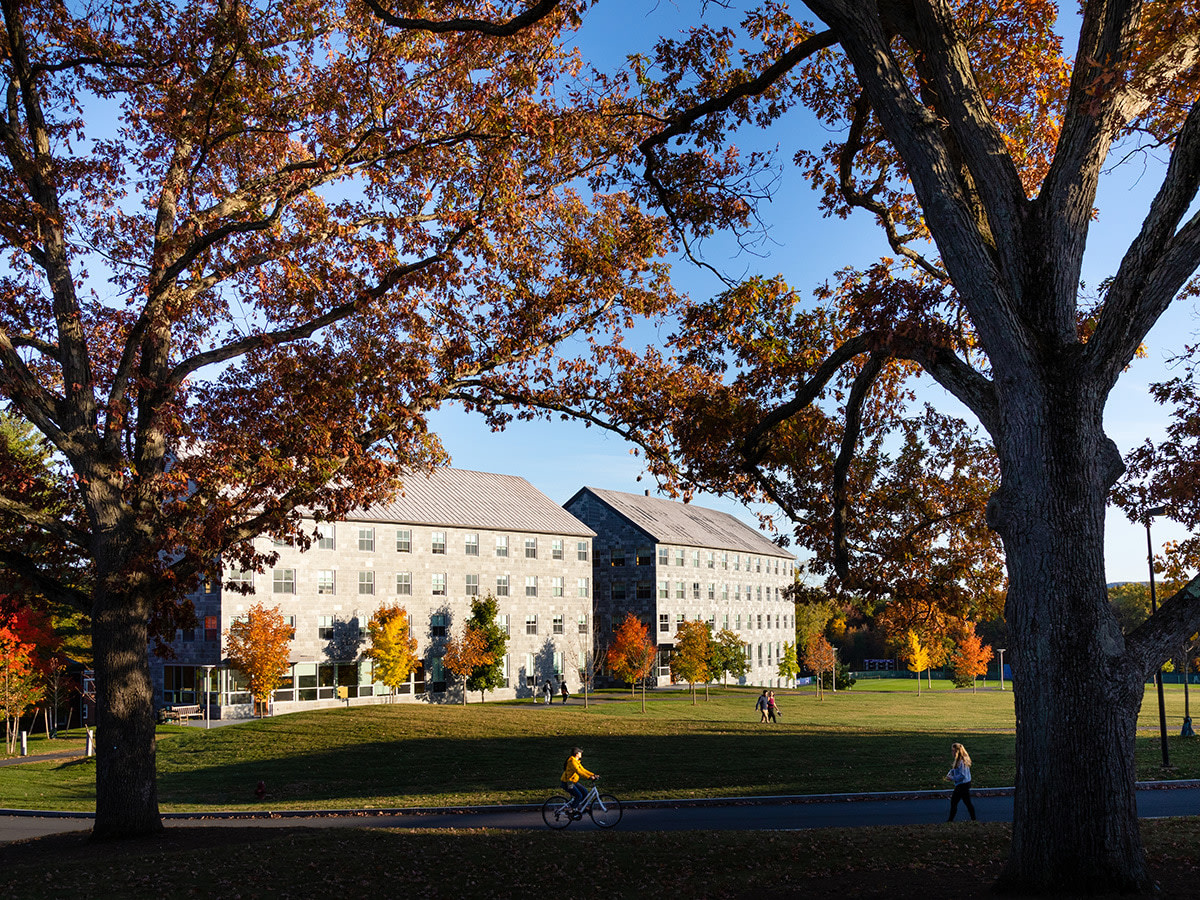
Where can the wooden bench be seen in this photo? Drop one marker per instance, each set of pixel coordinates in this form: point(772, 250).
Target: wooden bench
point(180, 713)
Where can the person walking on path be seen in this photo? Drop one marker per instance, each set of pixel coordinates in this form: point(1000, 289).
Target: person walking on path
point(565, 693)
point(761, 706)
point(772, 706)
point(547, 692)
point(960, 774)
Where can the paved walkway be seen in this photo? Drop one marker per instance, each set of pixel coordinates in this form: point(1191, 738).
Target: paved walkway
point(1155, 800)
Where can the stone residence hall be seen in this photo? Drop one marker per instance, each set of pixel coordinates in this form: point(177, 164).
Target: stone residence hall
point(457, 535)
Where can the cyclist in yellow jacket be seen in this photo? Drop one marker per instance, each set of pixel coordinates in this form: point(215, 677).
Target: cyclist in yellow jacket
point(573, 770)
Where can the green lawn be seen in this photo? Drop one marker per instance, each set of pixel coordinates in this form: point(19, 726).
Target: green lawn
point(416, 754)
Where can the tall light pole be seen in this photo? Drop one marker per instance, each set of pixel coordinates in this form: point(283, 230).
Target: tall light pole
point(207, 702)
point(1000, 650)
point(1162, 712)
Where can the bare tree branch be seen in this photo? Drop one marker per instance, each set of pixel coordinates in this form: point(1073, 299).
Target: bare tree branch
point(481, 26)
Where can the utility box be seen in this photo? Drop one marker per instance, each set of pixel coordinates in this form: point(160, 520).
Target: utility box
point(343, 693)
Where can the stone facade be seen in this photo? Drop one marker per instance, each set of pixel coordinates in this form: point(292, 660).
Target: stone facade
point(447, 540)
point(666, 562)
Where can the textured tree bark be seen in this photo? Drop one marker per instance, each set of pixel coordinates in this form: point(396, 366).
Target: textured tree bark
point(126, 779)
point(1077, 695)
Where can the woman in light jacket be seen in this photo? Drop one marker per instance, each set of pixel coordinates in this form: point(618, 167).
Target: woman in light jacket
point(960, 774)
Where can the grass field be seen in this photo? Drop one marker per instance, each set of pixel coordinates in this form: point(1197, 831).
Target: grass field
point(418, 755)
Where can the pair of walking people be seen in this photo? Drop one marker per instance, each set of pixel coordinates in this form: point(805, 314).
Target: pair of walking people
point(767, 706)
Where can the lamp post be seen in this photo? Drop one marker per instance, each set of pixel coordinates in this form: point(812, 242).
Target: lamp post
point(1162, 712)
point(1000, 650)
point(207, 702)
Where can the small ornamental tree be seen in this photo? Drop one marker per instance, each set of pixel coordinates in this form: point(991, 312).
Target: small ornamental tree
point(487, 676)
point(729, 655)
point(19, 682)
point(789, 666)
point(970, 659)
point(631, 655)
point(915, 655)
point(693, 651)
point(467, 653)
point(819, 658)
point(259, 646)
point(393, 648)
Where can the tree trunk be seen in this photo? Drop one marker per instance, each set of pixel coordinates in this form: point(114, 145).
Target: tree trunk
point(126, 789)
point(1077, 692)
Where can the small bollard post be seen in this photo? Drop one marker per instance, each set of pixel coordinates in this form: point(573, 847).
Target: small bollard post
point(91, 744)
point(24, 743)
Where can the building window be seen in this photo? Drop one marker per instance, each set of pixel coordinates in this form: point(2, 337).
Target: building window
point(212, 628)
point(437, 542)
point(739, 621)
point(737, 563)
point(758, 592)
point(680, 618)
point(758, 567)
point(617, 556)
point(760, 621)
point(725, 592)
point(617, 591)
point(644, 556)
point(325, 628)
point(645, 590)
point(283, 581)
point(366, 582)
point(680, 590)
point(325, 536)
point(664, 622)
point(530, 672)
point(582, 587)
point(557, 624)
point(404, 540)
point(472, 586)
point(724, 560)
point(404, 584)
point(437, 625)
point(556, 586)
point(239, 578)
point(531, 623)
point(502, 621)
point(558, 663)
point(325, 584)
point(471, 545)
point(530, 548)
point(502, 545)
point(530, 585)
point(664, 556)
point(695, 590)
point(581, 551)
point(556, 548)
point(695, 559)
point(366, 539)
point(725, 625)
point(709, 560)
point(664, 590)
point(679, 556)
point(501, 585)
point(583, 623)
point(712, 591)
point(438, 581)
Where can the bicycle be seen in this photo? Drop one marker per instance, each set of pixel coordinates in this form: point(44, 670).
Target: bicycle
point(605, 809)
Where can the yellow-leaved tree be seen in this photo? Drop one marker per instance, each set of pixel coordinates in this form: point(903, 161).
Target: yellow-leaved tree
point(259, 646)
point(393, 648)
point(915, 655)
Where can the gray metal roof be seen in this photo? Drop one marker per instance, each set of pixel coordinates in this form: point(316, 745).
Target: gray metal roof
point(458, 498)
point(671, 522)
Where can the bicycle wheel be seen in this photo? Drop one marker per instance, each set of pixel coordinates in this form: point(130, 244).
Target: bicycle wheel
point(554, 811)
point(606, 811)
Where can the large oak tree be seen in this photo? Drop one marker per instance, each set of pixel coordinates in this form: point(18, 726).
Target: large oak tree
point(248, 246)
point(978, 146)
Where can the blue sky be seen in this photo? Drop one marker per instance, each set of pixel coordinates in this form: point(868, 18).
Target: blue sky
point(561, 457)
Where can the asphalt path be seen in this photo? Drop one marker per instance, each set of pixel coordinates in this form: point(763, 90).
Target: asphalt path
point(750, 814)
